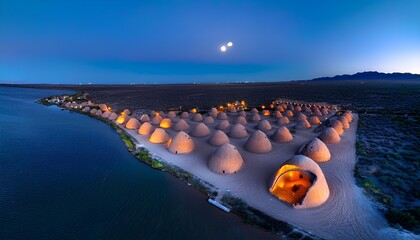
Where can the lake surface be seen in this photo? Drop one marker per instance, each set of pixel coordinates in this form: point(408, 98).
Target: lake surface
point(65, 175)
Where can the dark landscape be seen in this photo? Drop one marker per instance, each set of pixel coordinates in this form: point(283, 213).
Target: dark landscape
point(388, 133)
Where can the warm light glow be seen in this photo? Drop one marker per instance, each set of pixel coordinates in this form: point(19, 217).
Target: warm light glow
point(165, 123)
point(229, 44)
point(223, 48)
point(109, 108)
point(271, 105)
point(169, 142)
point(263, 107)
point(194, 110)
point(266, 113)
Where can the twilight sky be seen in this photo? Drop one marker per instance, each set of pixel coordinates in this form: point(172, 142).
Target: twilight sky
point(109, 41)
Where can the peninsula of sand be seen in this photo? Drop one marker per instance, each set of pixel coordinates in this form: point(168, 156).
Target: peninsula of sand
point(293, 161)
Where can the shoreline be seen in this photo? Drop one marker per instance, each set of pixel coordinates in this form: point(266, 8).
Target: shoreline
point(242, 209)
point(248, 214)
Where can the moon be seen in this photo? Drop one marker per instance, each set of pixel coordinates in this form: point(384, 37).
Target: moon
point(223, 48)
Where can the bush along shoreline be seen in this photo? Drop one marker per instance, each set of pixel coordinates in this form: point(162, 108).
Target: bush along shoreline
point(248, 214)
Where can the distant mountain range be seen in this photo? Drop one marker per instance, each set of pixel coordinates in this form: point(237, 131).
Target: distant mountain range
point(372, 75)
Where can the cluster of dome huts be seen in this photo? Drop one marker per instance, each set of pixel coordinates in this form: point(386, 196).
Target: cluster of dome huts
point(299, 181)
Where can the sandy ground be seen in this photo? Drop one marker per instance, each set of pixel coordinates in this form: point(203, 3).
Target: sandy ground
point(347, 214)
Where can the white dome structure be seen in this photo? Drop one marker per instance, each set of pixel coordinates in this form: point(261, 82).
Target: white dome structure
point(181, 125)
point(266, 113)
point(219, 138)
point(171, 114)
point(324, 111)
point(103, 107)
point(304, 124)
point(222, 116)
point(159, 136)
point(197, 117)
point(185, 115)
point(254, 110)
point(301, 183)
point(86, 109)
point(113, 116)
point(277, 114)
point(145, 128)
point(242, 113)
point(182, 143)
point(201, 130)
point(156, 120)
point(317, 113)
point(165, 123)
point(330, 136)
point(301, 117)
point(127, 112)
point(106, 114)
point(282, 135)
point(98, 113)
point(241, 120)
point(288, 113)
point(122, 119)
point(315, 150)
point(258, 142)
point(144, 118)
point(344, 121)
point(93, 111)
point(338, 126)
point(255, 117)
point(133, 123)
point(314, 120)
point(348, 115)
point(226, 160)
point(264, 126)
point(208, 120)
point(223, 125)
point(283, 121)
point(238, 131)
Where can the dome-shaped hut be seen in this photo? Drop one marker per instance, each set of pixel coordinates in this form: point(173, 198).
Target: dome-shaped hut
point(197, 117)
point(329, 135)
point(282, 135)
point(182, 143)
point(316, 150)
point(301, 183)
point(238, 131)
point(181, 125)
point(264, 126)
point(201, 130)
point(255, 117)
point(283, 121)
point(226, 160)
point(156, 120)
point(314, 120)
point(171, 114)
point(241, 120)
point(165, 123)
point(144, 118)
point(113, 116)
point(219, 138)
point(258, 142)
point(223, 125)
point(338, 126)
point(222, 116)
point(185, 115)
point(208, 120)
point(145, 128)
point(159, 136)
point(133, 123)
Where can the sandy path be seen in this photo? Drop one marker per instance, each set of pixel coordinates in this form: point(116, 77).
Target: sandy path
point(347, 214)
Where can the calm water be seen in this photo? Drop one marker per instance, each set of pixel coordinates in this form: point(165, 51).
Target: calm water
point(64, 175)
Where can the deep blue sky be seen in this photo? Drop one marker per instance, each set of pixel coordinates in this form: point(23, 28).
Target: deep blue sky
point(107, 41)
